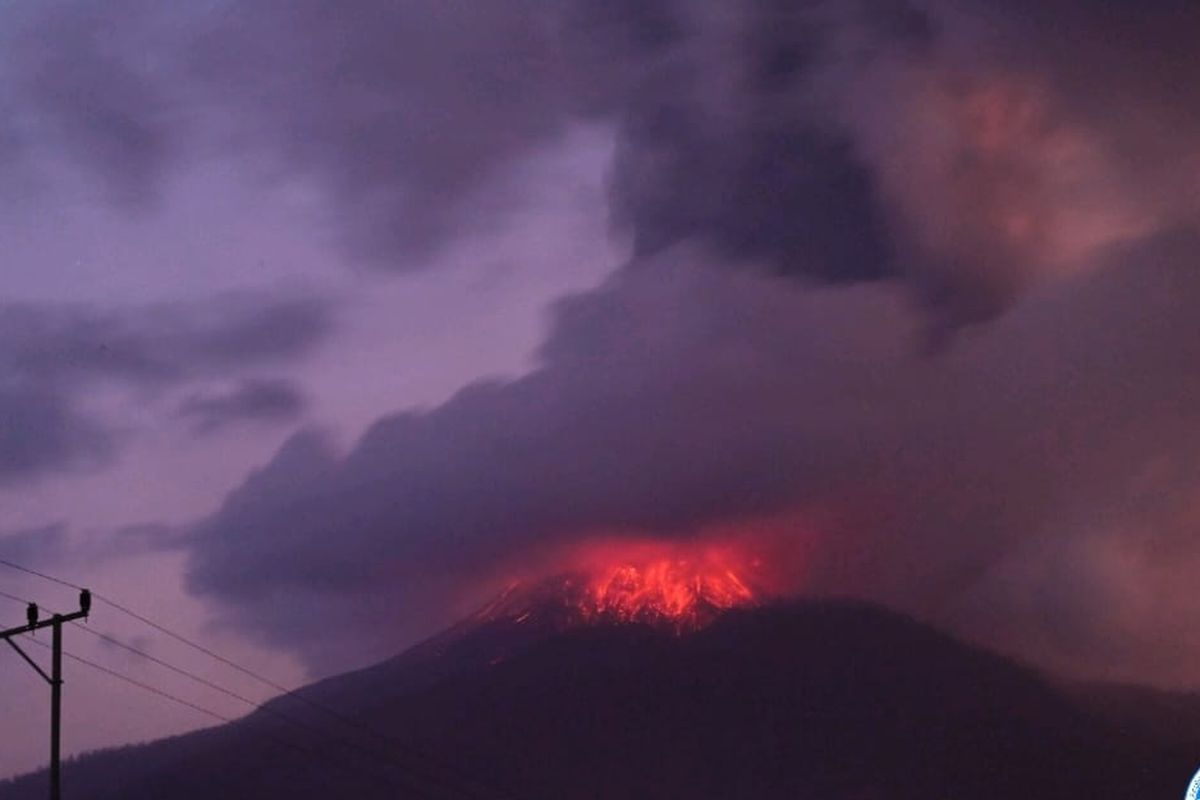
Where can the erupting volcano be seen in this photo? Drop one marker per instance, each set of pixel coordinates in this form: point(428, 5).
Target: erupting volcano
point(680, 591)
point(654, 585)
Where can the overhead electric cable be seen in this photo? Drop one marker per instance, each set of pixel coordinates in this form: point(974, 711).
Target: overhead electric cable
point(264, 707)
point(162, 693)
point(430, 767)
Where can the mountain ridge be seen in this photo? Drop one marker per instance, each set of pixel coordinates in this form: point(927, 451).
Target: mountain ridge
point(824, 699)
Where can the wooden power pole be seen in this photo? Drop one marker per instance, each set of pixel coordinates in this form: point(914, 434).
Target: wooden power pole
point(55, 677)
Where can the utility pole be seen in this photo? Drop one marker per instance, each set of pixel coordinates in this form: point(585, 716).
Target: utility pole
point(55, 677)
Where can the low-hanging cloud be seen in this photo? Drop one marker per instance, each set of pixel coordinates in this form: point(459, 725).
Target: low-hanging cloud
point(157, 343)
point(53, 356)
point(34, 547)
point(40, 430)
point(259, 400)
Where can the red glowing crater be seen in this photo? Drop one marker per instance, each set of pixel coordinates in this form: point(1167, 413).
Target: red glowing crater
point(681, 587)
point(683, 591)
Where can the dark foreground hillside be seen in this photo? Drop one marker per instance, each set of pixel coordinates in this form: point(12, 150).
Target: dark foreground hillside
point(821, 701)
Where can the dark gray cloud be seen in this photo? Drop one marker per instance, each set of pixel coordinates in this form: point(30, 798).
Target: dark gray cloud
point(40, 430)
point(718, 142)
point(253, 400)
point(399, 109)
point(847, 141)
point(406, 111)
point(53, 355)
point(158, 343)
point(966, 148)
point(89, 547)
point(1145, 52)
point(53, 549)
point(149, 537)
point(79, 79)
point(34, 547)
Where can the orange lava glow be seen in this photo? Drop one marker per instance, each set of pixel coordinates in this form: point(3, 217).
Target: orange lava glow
point(685, 591)
point(680, 585)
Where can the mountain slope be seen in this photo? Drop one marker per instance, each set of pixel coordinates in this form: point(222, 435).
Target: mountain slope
point(815, 700)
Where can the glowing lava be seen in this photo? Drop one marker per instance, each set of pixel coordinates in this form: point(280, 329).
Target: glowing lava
point(682, 591)
point(672, 586)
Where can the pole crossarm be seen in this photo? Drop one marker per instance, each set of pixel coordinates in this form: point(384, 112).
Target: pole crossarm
point(45, 623)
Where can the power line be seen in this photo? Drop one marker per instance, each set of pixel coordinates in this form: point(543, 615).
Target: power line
point(162, 693)
point(260, 706)
point(267, 709)
point(371, 757)
point(14, 598)
point(179, 700)
point(156, 626)
point(166, 664)
point(205, 682)
point(134, 682)
point(295, 695)
point(194, 645)
point(43, 575)
point(430, 766)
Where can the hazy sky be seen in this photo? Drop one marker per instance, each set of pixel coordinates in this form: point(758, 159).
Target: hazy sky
point(316, 318)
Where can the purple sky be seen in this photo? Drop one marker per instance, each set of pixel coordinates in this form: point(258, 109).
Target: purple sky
point(405, 339)
point(315, 314)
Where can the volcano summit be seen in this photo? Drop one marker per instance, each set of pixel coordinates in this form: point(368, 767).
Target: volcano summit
point(679, 594)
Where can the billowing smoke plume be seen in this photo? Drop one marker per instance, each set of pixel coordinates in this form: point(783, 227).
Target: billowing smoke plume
point(811, 190)
point(1013, 471)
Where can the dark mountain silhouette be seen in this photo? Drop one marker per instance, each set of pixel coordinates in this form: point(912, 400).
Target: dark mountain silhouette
point(808, 700)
